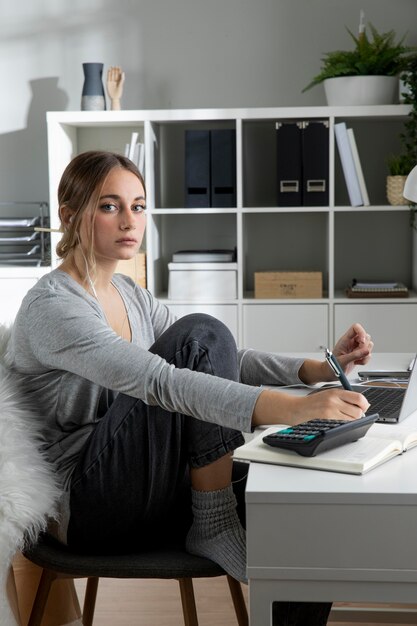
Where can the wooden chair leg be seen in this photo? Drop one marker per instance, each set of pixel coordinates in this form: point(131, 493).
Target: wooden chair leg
point(238, 601)
point(188, 601)
point(90, 600)
point(41, 598)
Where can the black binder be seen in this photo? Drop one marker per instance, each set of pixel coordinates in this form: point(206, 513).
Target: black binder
point(315, 159)
point(197, 168)
point(223, 168)
point(289, 163)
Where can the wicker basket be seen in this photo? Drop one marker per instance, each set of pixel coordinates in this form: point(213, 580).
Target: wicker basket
point(395, 187)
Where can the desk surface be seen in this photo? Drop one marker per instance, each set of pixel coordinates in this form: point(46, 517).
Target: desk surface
point(396, 478)
point(315, 535)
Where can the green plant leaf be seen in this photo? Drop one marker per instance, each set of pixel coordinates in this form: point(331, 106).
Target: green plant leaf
point(379, 55)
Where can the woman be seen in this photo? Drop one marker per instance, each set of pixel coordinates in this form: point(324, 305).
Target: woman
point(140, 411)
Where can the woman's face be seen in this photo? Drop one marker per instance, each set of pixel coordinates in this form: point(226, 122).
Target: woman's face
point(120, 219)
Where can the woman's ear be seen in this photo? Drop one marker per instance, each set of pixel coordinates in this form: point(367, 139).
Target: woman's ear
point(67, 215)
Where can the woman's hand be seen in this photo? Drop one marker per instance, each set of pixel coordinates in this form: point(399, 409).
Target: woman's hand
point(330, 404)
point(353, 348)
point(275, 407)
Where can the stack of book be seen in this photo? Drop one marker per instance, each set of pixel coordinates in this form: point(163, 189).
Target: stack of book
point(203, 275)
point(376, 289)
point(135, 151)
point(204, 256)
point(351, 165)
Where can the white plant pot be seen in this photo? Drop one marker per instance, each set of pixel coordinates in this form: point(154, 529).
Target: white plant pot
point(361, 90)
point(414, 256)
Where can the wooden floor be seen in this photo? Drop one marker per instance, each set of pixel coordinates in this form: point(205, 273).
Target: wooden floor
point(157, 603)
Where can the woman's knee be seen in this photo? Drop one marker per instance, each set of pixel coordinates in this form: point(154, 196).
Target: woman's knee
point(209, 329)
point(200, 342)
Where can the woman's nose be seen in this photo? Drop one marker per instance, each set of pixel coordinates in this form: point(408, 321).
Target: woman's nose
point(127, 220)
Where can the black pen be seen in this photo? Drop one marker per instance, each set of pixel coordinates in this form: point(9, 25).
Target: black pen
point(332, 361)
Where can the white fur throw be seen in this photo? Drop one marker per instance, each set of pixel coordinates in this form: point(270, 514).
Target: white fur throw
point(28, 491)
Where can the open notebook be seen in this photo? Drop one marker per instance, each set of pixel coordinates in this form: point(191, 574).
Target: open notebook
point(381, 443)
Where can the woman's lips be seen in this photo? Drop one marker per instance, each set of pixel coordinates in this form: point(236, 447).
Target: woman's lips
point(127, 242)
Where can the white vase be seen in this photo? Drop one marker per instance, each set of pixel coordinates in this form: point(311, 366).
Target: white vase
point(414, 254)
point(361, 90)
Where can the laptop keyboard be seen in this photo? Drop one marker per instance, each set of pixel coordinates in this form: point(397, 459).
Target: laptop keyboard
point(385, 401)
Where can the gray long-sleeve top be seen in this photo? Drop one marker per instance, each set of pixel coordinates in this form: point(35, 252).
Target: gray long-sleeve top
point(70, 364)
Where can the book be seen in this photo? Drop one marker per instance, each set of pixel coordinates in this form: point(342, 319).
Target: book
point(376, 289)
point(204, 256)
point(348, 164)
point(135, 151)
point(132, 145)
point(358, 166)
point(381, 443)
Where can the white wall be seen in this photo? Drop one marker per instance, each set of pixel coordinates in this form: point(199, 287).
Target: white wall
point(176, 53)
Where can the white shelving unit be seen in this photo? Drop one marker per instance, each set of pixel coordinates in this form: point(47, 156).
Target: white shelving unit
point(341, 241)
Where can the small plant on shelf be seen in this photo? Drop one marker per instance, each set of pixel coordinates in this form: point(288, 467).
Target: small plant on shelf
point(400, 165)
point(409, 135)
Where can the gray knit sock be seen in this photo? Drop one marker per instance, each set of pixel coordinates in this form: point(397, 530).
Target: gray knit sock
point(216, 532)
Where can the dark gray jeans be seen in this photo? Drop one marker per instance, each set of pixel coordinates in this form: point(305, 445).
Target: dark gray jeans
point(131, 488)
point(133, 473)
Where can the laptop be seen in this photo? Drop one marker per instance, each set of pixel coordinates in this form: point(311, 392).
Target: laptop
point(393, 404)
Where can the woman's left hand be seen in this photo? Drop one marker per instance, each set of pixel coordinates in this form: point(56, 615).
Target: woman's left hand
point(353, 348)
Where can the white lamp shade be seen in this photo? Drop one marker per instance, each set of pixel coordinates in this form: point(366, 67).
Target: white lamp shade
point(410, 187)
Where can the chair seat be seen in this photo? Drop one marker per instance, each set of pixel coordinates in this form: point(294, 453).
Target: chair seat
point(57, 561)
point(165, 563)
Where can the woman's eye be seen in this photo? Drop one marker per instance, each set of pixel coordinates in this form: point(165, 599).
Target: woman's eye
point(138, 208)
point(108, 208)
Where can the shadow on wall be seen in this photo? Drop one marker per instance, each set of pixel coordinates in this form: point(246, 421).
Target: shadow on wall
point(24, 153)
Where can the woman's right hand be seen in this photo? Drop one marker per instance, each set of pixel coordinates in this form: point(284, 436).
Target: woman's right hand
point(276, 407)
point(336, 404)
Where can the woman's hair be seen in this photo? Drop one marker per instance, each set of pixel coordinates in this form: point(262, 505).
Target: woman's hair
point(80, 190)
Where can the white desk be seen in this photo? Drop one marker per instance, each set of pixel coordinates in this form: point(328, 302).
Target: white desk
point(323, 536)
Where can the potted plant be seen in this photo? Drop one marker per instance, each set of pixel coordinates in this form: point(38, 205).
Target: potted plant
point(368, 74)
point(399, 166)
point(409, 136)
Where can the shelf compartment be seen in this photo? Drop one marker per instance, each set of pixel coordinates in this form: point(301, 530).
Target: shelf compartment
point(376, 140)
point(262, 148)
point(296, 327)
point(285, 242)
point(171, 233)
point(109, 138)
point(372, 247)
point(169, 158)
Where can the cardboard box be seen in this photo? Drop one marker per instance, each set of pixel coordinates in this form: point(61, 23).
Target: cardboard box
point(202, 281)
point(288, 284)
point(135, 268)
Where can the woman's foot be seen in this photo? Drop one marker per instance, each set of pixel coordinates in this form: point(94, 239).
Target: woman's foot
point(216, 532)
